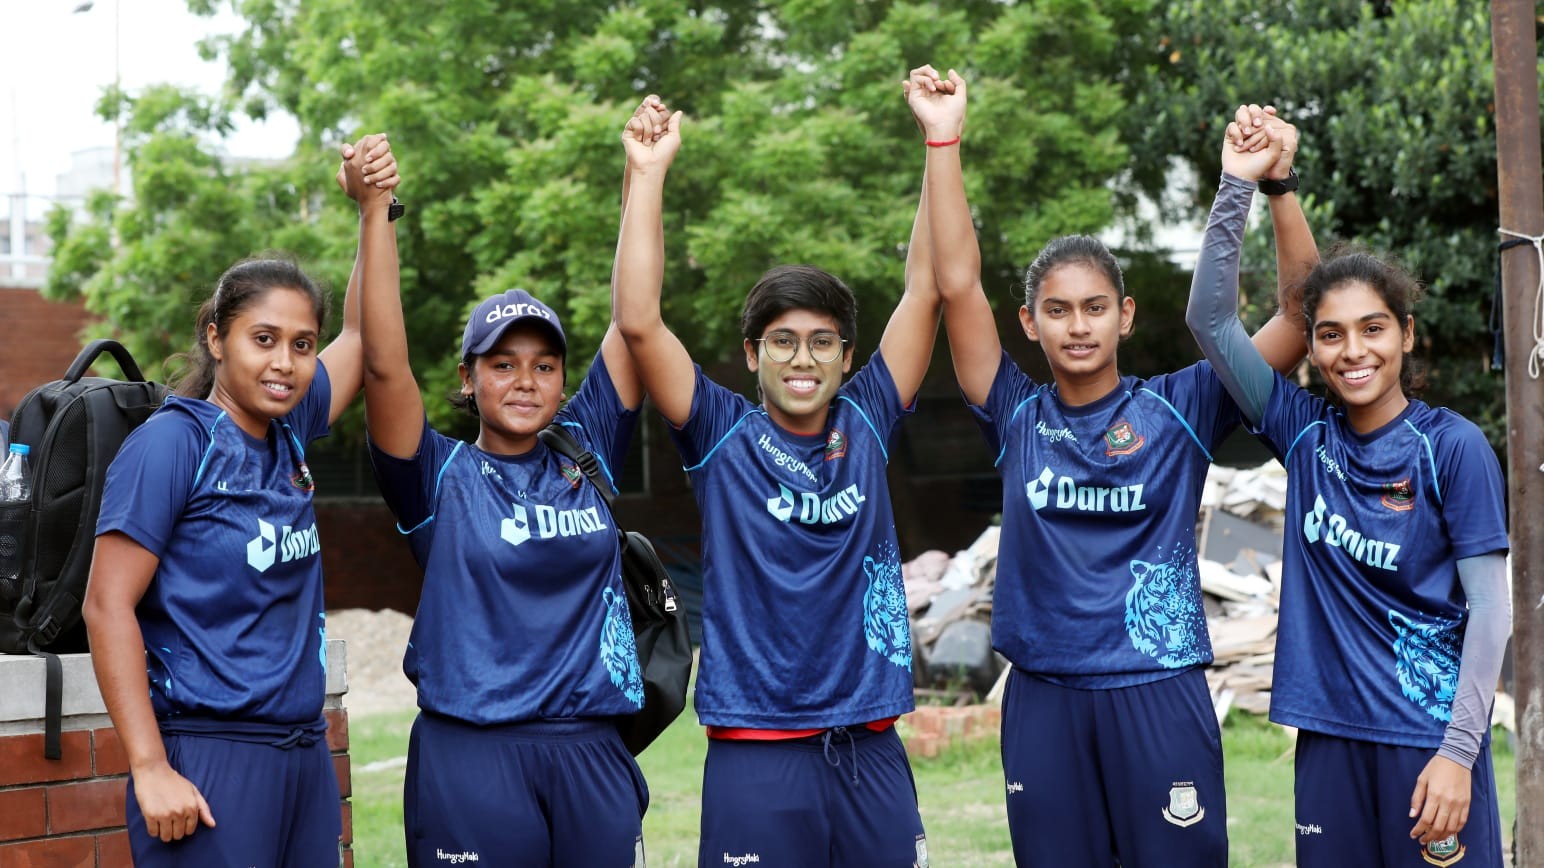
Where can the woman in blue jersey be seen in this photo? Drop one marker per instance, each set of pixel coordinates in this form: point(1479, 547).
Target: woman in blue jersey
point(806, 648)
point(1111, 749)
point(1395, 610)
point(204, 607)
point(522, 649)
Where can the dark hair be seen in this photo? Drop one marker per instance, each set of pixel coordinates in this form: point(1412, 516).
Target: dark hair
point(241, 286)
point(1071, 250)
point(799, 287)
point(1398, 289)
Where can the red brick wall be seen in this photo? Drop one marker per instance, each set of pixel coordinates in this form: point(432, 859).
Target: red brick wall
point(41, 339)
point(69, 813)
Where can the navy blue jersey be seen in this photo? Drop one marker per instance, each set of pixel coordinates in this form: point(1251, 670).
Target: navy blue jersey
point(233, 619)
point(1097, 584)
point(522, 616)
point(804, 615)
point(1372, 613)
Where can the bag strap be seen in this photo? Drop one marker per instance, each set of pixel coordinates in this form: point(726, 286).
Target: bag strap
point(87, 356)
point(560, 440)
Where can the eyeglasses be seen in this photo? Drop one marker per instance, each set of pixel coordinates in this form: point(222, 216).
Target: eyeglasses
point(782, 346)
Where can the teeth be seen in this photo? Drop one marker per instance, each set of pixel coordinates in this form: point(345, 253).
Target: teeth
point(278, 387)
point(1361, 374)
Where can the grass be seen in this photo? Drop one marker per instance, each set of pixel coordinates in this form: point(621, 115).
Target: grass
point(961, 795)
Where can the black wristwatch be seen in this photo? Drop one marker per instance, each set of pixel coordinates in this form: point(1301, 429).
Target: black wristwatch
point(1273, 187)
point(397, 209)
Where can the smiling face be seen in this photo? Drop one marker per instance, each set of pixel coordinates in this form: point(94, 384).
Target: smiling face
point(518, 387)
point(798, 393)
point(1358, 344)
point(1079, 319)
point(266, 360)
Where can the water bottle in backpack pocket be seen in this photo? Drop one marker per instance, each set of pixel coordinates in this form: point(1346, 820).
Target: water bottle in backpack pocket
point(15, 510)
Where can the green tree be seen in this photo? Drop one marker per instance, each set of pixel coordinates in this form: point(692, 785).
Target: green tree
point(505, 119)
point(1395, 103)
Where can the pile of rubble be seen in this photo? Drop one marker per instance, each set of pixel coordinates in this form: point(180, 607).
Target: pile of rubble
point(1239, 533)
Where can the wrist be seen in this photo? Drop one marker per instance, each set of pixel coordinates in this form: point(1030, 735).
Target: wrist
point(1279, 186)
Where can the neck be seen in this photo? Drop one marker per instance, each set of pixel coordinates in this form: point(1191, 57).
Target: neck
point(1370, 417)
point(1075, 390)
point(256, 426)
point(806, 425)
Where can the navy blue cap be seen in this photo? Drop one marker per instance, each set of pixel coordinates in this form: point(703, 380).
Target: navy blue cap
point(495, 314)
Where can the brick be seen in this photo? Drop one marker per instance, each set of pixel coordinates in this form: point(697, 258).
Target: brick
point(113, 850)
point(348, 858)
point(348, 824)
point(21, 759)
point(23, 814)
point(107, 753)
point(923, 744)
point(85, 806)
point(337, 729)
point(340, 767)
point(50, 853)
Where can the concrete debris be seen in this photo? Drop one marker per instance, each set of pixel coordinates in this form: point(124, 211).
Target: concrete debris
point(1239, 533)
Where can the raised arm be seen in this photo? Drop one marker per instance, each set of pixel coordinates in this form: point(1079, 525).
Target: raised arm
point(654, 119)
point(1213, 310)
point(394, 408)
point(938, 104)
point(651, 140)
point(907, 343)
point(1281, 339)
point(121, 571)
point(345, 355)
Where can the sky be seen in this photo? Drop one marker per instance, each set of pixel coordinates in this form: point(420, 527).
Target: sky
point(55, 62)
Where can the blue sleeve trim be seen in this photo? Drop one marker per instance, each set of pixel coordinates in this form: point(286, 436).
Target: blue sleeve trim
point(737, 423)
point(1431, 457)
point(1012, 416)
point(1299, 437)
point(870, 423)
point(208, 450)
point(436, 495)
point(1183, 421)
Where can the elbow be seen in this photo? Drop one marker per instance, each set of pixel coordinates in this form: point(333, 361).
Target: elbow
point(636, 330)
point(1196, 318)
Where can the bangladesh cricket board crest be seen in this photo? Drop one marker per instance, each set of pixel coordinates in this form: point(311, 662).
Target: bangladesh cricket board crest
point(1122, 439)
point(1445, 852)
point(1184, 806)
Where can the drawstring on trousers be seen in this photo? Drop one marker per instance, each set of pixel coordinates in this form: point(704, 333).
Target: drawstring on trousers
point(834, 757)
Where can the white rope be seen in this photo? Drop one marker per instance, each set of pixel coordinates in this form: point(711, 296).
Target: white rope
point(1538, 305)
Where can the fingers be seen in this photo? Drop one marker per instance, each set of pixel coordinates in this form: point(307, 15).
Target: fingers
point(674, 127)
point(204, 814)
point(1418, 796)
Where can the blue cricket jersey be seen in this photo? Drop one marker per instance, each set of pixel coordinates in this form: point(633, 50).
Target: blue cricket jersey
point(1372, 612)
point(804, 614)
point(233, 620)
point(1097, 584)
point(523, 616)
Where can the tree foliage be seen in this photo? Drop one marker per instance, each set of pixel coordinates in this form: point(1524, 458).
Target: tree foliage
point(798, 148)
point(1395, 104)
point(505, 119)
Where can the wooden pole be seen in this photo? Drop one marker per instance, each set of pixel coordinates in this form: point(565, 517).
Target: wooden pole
point(1521, 193)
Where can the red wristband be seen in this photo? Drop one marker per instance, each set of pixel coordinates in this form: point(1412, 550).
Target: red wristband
point(943, 144)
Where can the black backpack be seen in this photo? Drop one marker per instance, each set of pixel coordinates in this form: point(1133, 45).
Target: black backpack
point(74, 426)
point(659, 620)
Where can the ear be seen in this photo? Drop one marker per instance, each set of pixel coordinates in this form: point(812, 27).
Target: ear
point(1128, 316)
point(847, 359)
point(1027, 321)
point(467, 386)
point(212, 339)
point(752, 360)
point(1409, 341)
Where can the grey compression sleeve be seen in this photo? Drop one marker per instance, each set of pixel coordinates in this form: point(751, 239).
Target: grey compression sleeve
point(1479, 666)
point(1213, 310)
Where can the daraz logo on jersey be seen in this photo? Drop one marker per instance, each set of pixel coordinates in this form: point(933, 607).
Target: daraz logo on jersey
point(287, 545)
point(809, 508)
point(550, 522)
point(1082, 498)
point(1320, 525)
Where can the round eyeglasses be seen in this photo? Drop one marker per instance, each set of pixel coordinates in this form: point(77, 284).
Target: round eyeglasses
point(782, 346)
